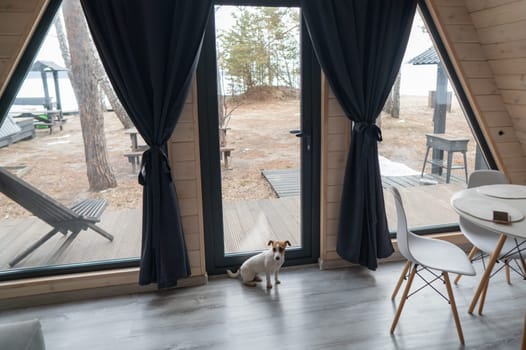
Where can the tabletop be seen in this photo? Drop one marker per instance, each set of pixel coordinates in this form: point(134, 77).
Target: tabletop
point(512, 199)
point(447, 142)
point(447, 137)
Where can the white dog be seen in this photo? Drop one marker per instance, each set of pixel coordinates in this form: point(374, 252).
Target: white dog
point(268, 261)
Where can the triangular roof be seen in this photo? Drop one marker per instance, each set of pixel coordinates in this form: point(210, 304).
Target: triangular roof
point(39, 66)
point(429, 56)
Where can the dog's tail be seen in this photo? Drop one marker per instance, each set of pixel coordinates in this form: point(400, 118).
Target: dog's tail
point(232, 274)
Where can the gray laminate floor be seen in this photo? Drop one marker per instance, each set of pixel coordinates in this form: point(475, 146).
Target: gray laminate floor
point(311, 309)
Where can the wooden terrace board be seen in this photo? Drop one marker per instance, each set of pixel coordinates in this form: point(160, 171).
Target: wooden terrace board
point(286, 182)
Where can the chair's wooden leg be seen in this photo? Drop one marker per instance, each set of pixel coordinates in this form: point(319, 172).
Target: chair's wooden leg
point(507, 267)
point(523, 263)
point(453, 307)
point(487, 272)
point(401, 279)
point(523, 347)
point(471, 255)
point(34, 246)
point(404, 298)
point(483, 297)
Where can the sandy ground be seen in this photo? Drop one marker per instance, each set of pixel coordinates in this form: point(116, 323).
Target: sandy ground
point(259, 133)
point(55, 164)
point(404, 138)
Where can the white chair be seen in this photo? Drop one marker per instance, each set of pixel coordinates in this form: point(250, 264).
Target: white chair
point(431, 255)
point(484, 241)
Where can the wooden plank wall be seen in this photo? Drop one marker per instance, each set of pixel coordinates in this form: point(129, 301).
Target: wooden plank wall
point(18, 19)
point(486, 41)
point(335, 141)
point(186, 171)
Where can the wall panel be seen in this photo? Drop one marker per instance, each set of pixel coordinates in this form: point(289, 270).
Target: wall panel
point(184, 157)
point(491, 69)
point(18, 19)
point(335, 138)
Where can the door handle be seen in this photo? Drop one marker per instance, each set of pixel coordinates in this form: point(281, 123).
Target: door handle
point(305, 137)
point(298, 133)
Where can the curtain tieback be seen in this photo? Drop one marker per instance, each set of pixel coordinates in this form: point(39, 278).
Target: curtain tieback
point(146, 163)
point(371, 130)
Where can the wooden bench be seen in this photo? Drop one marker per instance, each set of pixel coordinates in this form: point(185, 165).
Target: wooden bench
point(134, 158)
point(225, 154)
point(53, 117)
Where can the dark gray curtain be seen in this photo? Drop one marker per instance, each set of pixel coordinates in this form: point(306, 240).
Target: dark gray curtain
point(360, 45)
point(150, 51)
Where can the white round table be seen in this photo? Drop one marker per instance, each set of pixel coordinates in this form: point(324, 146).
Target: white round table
point(493, 197)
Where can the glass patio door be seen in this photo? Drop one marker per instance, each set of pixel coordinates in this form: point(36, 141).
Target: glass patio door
point(259, 88)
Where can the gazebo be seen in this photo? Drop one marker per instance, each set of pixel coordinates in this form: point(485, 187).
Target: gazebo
point(52, 116)
point(45, 67)
point(440, 100)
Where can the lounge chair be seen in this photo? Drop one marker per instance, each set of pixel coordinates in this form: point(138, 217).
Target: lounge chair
point(80, 216)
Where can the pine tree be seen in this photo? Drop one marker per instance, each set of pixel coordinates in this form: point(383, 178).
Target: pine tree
point(86, 88)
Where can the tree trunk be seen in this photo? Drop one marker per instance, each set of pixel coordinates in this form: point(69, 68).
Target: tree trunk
point(115, 103)
point(388, 103)
point(64, 48)
point(395, 99)
point(82, 56)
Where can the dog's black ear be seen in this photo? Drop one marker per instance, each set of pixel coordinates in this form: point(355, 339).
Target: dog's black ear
point(271, 242)
point(288, 243)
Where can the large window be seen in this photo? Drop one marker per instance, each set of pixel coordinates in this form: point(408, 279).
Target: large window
point(423, 124)
point(70, 155)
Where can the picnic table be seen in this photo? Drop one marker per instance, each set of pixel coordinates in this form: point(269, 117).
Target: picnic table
point(136, 149)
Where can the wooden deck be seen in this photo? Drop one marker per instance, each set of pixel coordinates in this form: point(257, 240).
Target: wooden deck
point(88, 246)
point(286, 182)
point(248, 225)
